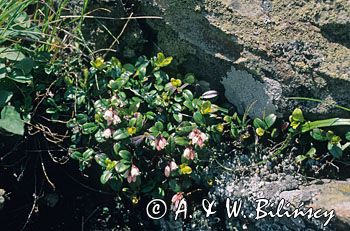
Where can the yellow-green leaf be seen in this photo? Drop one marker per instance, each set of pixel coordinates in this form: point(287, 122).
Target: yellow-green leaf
point(260, 131)
point(185, 169)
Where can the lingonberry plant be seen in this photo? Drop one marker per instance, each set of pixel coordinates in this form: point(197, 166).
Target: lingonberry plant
point(148, 131)
point(152, 133)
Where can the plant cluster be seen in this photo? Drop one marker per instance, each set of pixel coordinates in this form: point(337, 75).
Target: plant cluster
point(152, 133)
point(148, 131)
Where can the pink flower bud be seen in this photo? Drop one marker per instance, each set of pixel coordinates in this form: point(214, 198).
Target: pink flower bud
point(189, 153)
point(107, 133)
point(175, 200)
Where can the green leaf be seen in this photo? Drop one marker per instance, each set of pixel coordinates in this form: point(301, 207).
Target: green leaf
point(270, 120)
point(106, 175)
point(274, 133)
point(2, 70)
point(318, 134)
point(5, 97)
point(101, 159)
point(51, 110)
point(335, 139)
point(176, 107)
point(178, 117)
point(260, 131)
point(115, 184)
point(205, 108)
point(258, 123)
point(311, 153)
point(124, 154)
point(11, 54)
point(81, 118)
point(189, 105)
point(171, 145)
point(159, 126)
point(120, 134)
point(324, 123)
point(190, 79)
point(11, 121)
point(134, 107)
point(98, 63)
point(347, 136)
point(234, 130)
point(26, 65)
point(161, 61)
point(297, 115)
point(122, 166)
point(335, 150)
point(300, 159)
point(99, 137)
point(88, 153)
point(183, 141)
point(150, 115)
point(116, 148)
point(198, 118)
point(19, 76)
point(129, 67)
point(187, 94)
point(228, 119)
point(139, 123)
point(185, 128)
point(76, 155)
point(132, 122)
point(89, 128)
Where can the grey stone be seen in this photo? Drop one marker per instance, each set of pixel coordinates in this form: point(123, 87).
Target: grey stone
point(330, 195)
point(301, 45)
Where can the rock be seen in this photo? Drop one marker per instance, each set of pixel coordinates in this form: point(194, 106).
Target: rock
point(331, 195)
point(272, 49)
point(293, 190)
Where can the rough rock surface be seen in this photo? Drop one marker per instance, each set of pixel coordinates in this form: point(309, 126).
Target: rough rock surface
point(278, 48)
point(326, 194)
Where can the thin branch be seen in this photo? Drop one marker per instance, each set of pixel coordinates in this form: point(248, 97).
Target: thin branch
point(116, 40)
point(45, 173)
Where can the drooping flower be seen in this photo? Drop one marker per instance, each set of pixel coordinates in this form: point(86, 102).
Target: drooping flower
point(198, 137)
point(132, 174)
point(108, 114)
point(137, 115)
point(189, 153)
point(169, 168)
point(175, 200)
point(107, 133)
point(159, 143)
point(111, 117)
point(116, 119)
